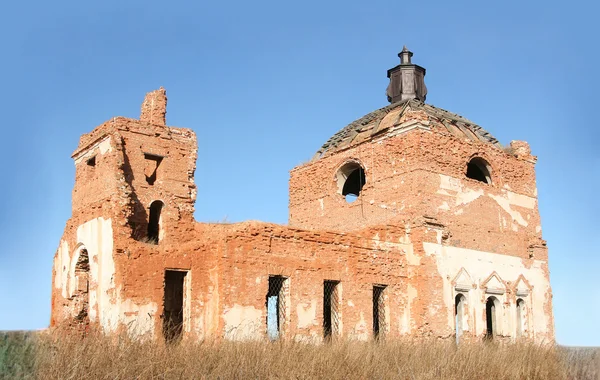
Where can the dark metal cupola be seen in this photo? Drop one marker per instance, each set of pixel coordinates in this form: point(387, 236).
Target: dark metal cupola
point(407, 80)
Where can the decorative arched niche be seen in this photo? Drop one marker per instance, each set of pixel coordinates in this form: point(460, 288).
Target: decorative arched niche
point(493, 311)
point(79, 286)
point(495, 290)
point(522, 289)
point(462, 284)
point(521, 322)
point(460, 302)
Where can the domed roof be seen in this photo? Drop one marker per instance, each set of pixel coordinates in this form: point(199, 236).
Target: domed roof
point(389, 121)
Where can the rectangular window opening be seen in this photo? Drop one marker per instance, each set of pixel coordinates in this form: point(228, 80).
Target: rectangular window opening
point(91, 161)
point(276, 307)
point(379, 322)
point(152, 162)
point(331, 301)
point(173, 305)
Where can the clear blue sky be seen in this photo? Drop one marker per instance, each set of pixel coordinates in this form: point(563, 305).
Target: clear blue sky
point(263, 84)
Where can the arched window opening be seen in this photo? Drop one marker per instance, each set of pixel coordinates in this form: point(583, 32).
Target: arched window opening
point(351, 179)
point(520, 317)
point(491, 311)
point(82, 271)
point(479, 170)
point(459, 312)
point(154, 222)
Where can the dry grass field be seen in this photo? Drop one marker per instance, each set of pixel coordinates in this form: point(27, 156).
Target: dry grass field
point(62, 356)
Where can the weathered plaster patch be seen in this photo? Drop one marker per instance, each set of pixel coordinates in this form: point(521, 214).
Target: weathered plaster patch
point(468, 196)
point(411, 294)
point(402, 247)
point(307, 314)
point(97, 237)
point(465, 196)
point(360, 329)
point(505, 204)
point(138, 319)
point(480, 265)
point(103, 147)
point(242, 322)
point(61, 268)
point(450, 183)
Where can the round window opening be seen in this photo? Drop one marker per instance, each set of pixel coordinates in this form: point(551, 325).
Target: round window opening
point(479, 170)
point(350, 180)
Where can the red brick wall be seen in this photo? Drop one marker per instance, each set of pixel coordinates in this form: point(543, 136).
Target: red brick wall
point(416, 193)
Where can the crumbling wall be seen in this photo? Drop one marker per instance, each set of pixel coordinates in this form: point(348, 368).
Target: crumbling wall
point(420, 228)
point(111, 198)
point(154, 108)
point(418, 174)
point(229, 268)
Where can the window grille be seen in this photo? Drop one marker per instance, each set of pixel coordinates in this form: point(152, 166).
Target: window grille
point(331, 315)
point(276, 306)
point(379, 322)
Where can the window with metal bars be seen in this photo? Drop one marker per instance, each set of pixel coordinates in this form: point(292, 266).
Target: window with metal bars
point(276, 307)
point(379, 322)
point(331, 315)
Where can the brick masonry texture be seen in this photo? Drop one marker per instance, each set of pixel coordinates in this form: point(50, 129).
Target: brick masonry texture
point(419, 227)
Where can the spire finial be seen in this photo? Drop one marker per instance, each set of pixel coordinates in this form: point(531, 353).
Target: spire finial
point(405, 56)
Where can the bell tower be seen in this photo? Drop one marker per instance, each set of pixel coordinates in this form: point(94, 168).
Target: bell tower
point(159, 164)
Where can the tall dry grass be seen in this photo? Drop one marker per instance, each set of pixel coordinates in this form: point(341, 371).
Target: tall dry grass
point(60, 356)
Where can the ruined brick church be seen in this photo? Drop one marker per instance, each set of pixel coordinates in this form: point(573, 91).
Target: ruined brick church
point(410, 221)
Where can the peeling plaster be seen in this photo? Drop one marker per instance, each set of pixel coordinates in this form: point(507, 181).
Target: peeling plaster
point(103, 146)
point(360, 328)
point(480, 265)
point(138, 319)
point(505, 204)
point(307, 314)
point(97, 237)
point(242, 322)
point(61, 268)
point(444, 206)
point(465, 195)
point(406, 326)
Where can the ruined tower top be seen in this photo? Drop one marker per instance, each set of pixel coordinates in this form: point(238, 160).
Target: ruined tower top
point(407, 80)
point(154, 107)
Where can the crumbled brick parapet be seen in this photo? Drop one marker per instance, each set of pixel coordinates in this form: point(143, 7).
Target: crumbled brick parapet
point(154, 107)
point(522, 150)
